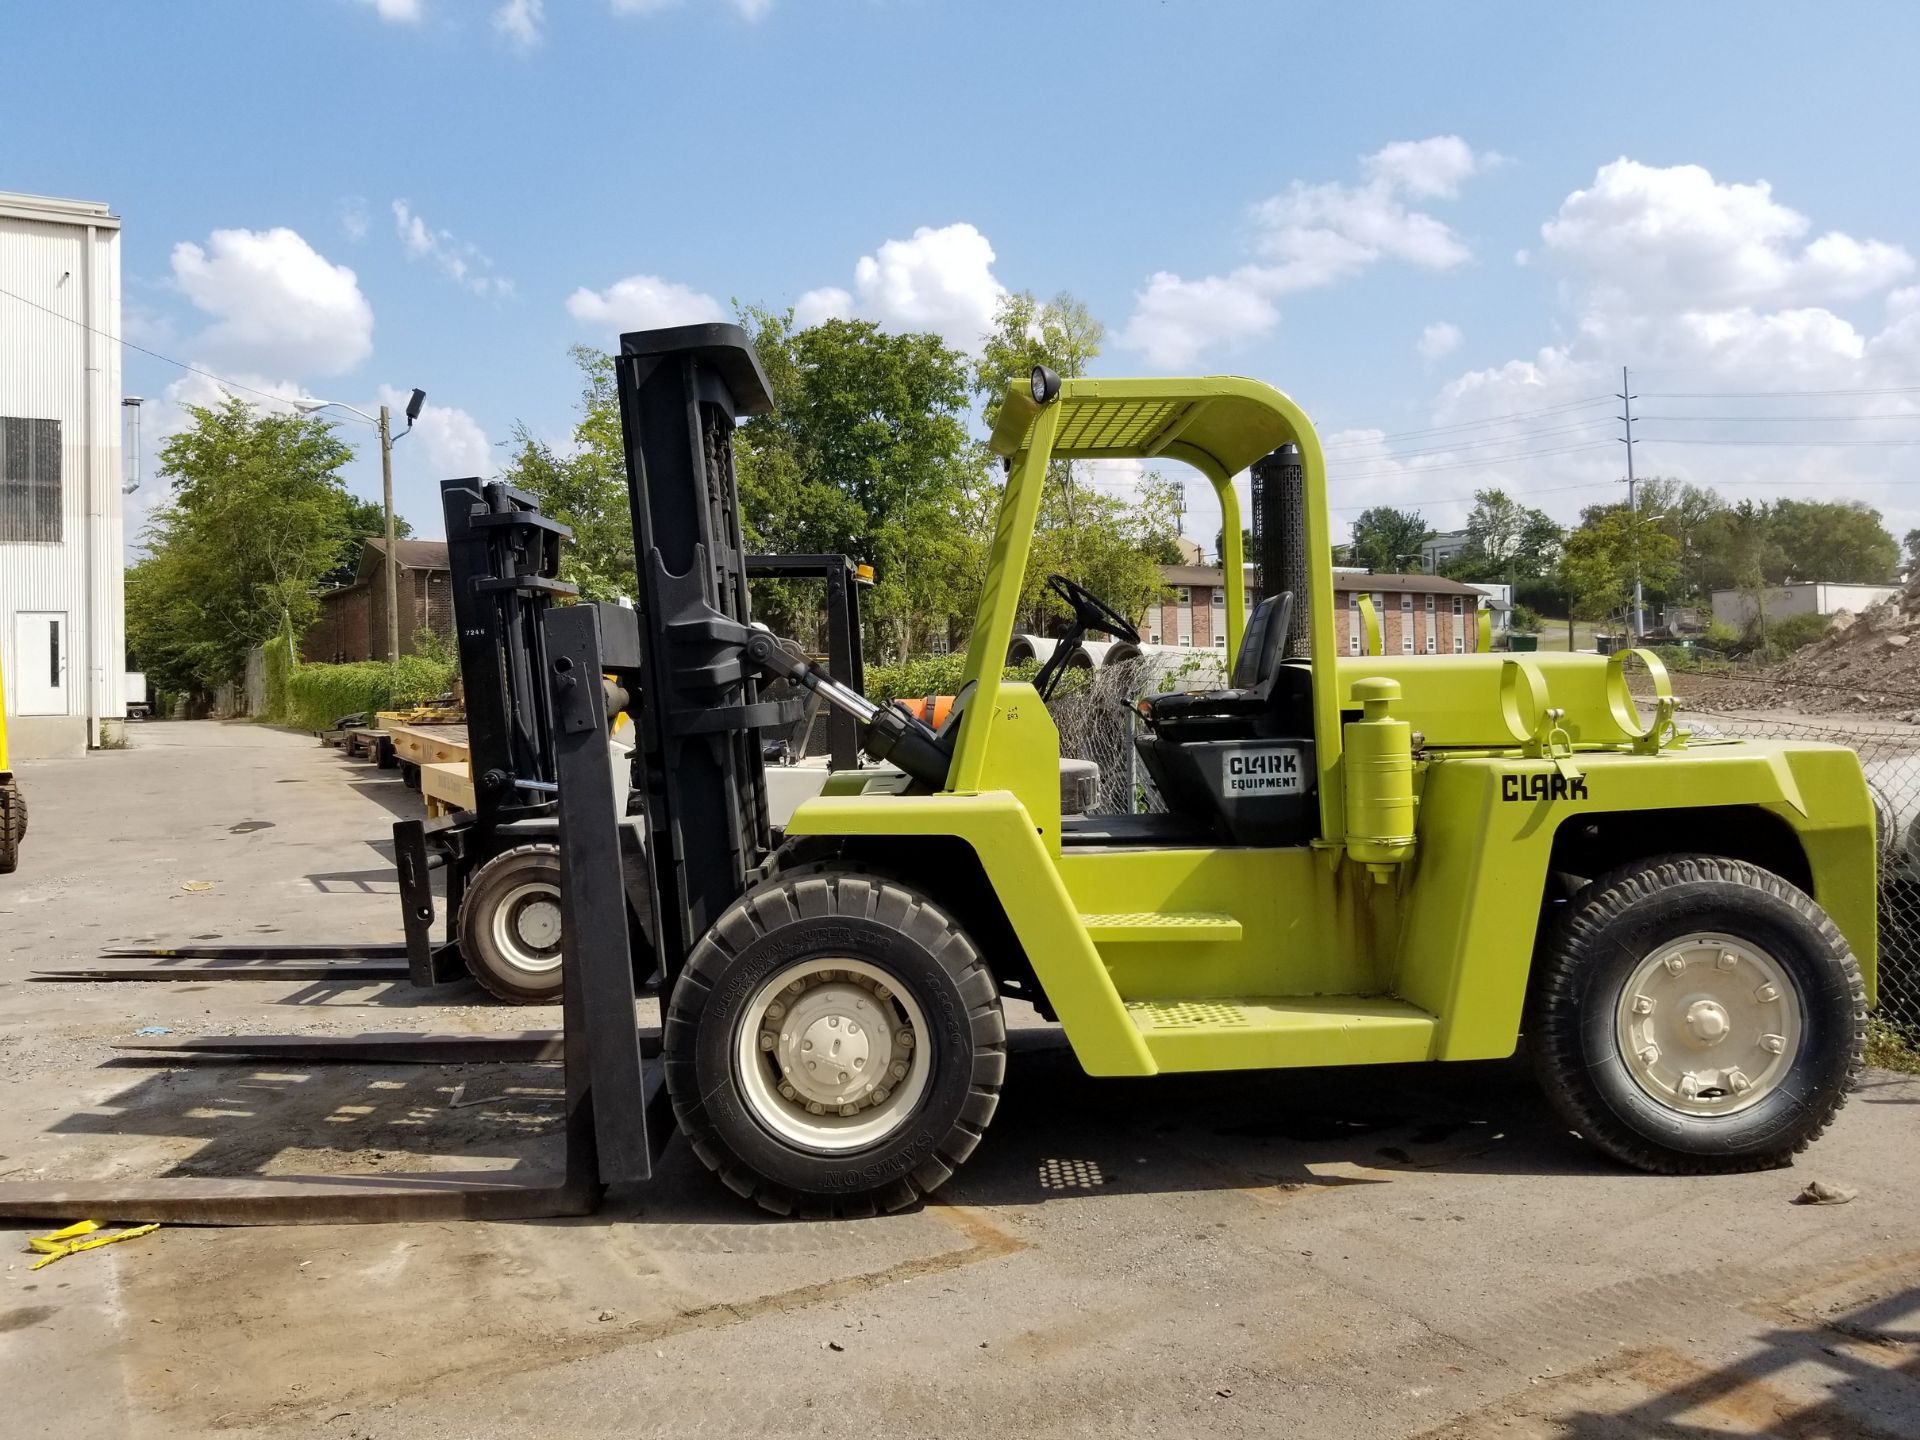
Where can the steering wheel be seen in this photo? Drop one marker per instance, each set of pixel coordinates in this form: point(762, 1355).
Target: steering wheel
point(1090, 612)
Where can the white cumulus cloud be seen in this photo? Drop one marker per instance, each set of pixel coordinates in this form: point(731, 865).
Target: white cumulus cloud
point(1723, 301)
point(1307, 237)
point(939, 279)
point(399, 12)
point(519, 22)
point(275, 301)
point(464, 264)
point(643, 302)
point(747, 9)
point(829, 302)
point(450, 443)
point(1438, 340)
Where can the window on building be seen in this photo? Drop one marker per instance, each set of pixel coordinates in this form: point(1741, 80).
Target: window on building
point(1153, 637)
point(1459, 645)
point(1456, 606)
point(1353, 639)
point(29, 479)
point(1406, 602)
point(1353, 600)
point(1406, 639)
point(1183, 616)
point(1429, 604)
point(1186, 642)
point(1219, 598)
point(1220, 640)
point(1186, 596)
point(1430, 646)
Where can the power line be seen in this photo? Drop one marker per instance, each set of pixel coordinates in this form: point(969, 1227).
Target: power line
point(1775, 394)
point(1782, 419)
point(1870, 444)
point(1469, 464)
point(1470, 424)
point(220, 380)
point(1457, 446)
point(1469, 499)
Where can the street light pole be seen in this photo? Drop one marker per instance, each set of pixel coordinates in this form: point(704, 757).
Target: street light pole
point(307, 405)
point(393, 561)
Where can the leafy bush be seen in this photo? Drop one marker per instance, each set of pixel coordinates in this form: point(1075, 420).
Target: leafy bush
point(1788, 635)
point(918, 676)
point(278, 663)
point(1525, 619)
point(317, 695)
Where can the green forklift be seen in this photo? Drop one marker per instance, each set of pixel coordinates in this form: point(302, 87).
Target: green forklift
point(1363, 860)
point(13, 804)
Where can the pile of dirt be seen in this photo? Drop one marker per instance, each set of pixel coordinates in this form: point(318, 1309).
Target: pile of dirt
point(1865, 663)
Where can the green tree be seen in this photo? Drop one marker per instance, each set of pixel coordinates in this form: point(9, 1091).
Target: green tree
point(1910, 551)
point(365, 520)
point(1388, 540)
point(1837, 540)
point(586, 488)
point(257, 515)
point(1112, 543)
point(1506, 540)
point(1600, 560)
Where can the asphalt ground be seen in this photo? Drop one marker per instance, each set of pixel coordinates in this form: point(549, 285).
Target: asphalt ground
point(1414, 1251)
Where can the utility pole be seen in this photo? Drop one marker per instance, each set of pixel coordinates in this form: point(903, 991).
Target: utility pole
point(393, 562)
point(1633, 514)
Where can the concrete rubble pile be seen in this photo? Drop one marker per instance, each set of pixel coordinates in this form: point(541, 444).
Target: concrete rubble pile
point(1868, 662)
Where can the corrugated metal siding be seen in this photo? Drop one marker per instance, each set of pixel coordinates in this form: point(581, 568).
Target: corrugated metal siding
point(50, 366)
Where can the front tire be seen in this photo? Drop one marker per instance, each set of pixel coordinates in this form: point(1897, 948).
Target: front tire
point(835, 1046)
point(1697, 1015)
point(510, 925)
point(13, 827)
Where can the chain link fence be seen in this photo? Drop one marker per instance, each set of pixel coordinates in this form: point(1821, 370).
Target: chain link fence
point(1096, 722)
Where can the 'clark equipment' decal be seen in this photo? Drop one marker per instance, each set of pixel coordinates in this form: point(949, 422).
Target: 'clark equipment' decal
point(1552, 786)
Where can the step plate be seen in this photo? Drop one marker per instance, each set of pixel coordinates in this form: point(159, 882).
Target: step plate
point(1275, 1032)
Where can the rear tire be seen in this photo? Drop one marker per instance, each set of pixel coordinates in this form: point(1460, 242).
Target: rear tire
point(1697, 1015)
point(510, 925)
point(13, 827)
point(835, 1046)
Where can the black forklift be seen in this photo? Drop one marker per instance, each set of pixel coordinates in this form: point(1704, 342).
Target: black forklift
point(641, 875)
point(500, 860)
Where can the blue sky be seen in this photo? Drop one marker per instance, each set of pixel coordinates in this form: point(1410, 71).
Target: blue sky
point(1414, 218)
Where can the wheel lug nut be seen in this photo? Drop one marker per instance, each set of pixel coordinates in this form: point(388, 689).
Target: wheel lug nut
point(904, 1039)
point(1676, 964)
point(849, 1109)
point(1689, 1086)
point(814, 1107)
point(776, 1010)
point(1642, 1005)
point(787, 1092)
point(1773, 1044)
point(1726, 961)
point(796, 987)
point(1739, 1083)
point(882, 992)
point(900, 1070)
point(1767, 993)
point(768, 1040)
point(880, 1092)
point(1650, 1054)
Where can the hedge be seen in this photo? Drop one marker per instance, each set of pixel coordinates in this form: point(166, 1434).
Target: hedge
point(318, 695)
point(918, 676)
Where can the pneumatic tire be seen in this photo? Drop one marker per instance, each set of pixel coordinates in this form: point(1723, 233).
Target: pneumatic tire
point(834, 1046)
point(510, 925)
point(1697, 1015)
point(13, 828)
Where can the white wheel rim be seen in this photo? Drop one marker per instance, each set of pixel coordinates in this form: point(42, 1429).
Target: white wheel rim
point(526, 926)
point(832, 1054)
point(1709, 1025)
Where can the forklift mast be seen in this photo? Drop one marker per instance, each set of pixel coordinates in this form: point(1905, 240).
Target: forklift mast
point(681, 391)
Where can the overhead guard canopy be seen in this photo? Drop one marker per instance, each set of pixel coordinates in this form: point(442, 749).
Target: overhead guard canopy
point(1220, 424)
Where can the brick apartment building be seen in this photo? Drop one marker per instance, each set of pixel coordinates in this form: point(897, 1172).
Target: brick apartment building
point(353, 618)
point(1419, 614)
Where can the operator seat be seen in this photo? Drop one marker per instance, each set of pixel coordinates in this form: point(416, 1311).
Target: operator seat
point(1255, 670)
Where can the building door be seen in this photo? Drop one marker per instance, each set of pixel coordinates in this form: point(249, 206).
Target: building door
point(38, 684)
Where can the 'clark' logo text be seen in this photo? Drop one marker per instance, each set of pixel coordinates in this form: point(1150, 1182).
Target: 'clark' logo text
point(1554, 786)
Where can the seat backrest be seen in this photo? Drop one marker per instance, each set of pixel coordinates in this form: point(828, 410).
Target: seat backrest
point(1259, 657)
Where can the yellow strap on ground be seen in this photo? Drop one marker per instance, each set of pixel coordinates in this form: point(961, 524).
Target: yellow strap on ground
point(62, 1243)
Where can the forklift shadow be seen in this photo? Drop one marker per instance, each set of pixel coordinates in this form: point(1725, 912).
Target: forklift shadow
point(392, 794)
point(1059, 1134)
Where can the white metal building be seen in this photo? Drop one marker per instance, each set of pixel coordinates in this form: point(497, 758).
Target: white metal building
point(62, 608)
point(1803, 597)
